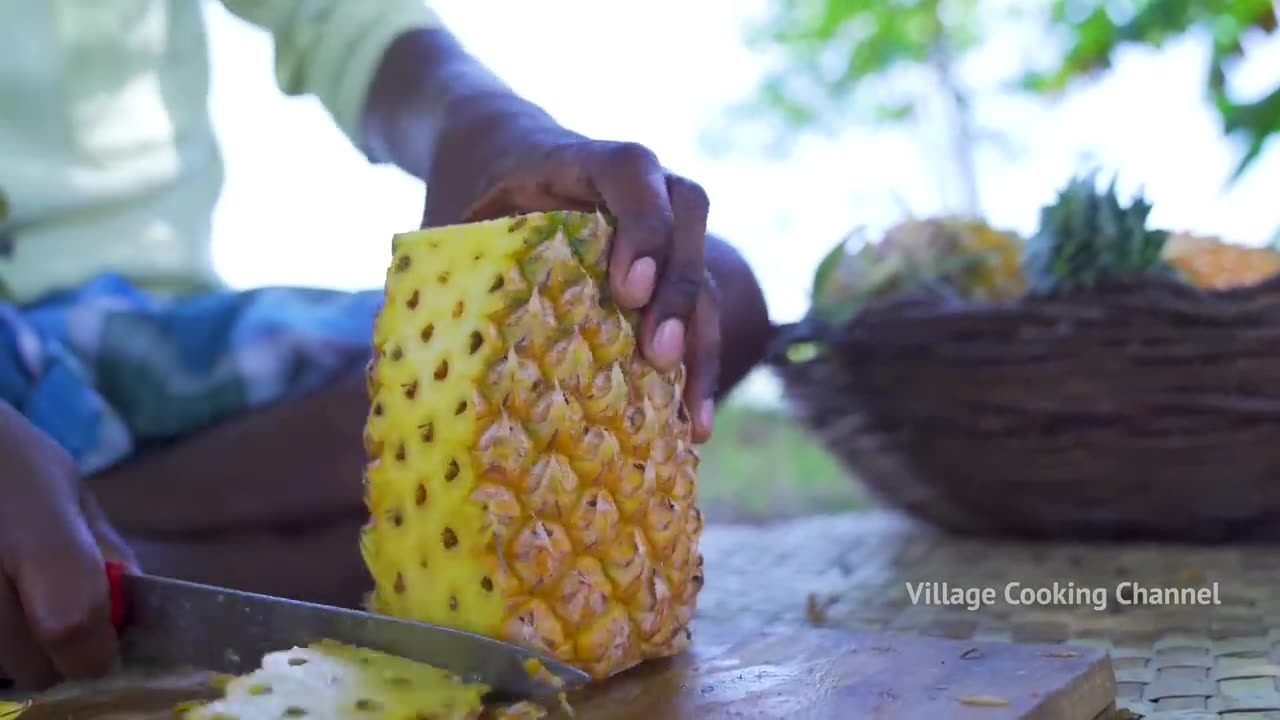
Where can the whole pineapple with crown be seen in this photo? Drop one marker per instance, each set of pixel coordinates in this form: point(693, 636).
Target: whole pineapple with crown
point(1088, 237)
point(530, 476)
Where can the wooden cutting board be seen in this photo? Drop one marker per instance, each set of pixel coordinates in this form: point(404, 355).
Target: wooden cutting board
point(740, 671)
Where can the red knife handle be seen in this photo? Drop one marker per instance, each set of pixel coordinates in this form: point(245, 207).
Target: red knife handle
point(115, 592)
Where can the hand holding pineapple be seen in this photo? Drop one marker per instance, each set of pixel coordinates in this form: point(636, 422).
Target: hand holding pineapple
point(657, 262)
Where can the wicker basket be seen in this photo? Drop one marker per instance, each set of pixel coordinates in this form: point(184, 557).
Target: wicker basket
point(1149, 410)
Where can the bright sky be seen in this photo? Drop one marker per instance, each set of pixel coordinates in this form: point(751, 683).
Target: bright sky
point(302, 207)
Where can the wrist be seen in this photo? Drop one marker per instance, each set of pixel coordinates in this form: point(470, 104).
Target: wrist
point(428, 87)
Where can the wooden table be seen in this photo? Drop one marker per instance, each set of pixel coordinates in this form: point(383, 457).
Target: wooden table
point(1192, 662)
point(850, 573)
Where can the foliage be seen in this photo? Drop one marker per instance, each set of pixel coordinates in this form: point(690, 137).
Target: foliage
point(1096, 30)
point(854, 59)
point(830, 49)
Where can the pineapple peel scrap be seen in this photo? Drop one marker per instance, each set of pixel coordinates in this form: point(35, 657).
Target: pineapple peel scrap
point(329, 680)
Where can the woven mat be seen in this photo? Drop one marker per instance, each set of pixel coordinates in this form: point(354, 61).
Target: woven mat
point(1191, 661)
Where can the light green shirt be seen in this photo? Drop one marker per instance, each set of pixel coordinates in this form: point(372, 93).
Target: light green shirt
point(108, 160)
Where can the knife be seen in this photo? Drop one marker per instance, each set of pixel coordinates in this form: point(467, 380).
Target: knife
point(173, 624)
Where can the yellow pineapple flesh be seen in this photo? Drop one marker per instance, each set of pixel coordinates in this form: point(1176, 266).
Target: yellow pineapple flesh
point(1213, 264)
point(330, 680)
point(530, 476)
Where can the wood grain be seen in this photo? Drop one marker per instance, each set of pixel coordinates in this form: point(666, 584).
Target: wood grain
point(743, 671)
point(740, 670)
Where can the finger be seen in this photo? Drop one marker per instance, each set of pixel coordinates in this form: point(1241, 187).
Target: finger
point(633, 186)
point(22, 660)
point(62, 587)
point(670, 314)
point(703, 361)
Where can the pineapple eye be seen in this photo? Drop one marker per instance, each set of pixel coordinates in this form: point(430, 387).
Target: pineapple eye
point(403, 262)
point(420, 495)
point(462, 407)
point(476, 341)
point(367, 705)
point(449, 538)
point(413, 300)
point(487, 584)
point(427, 432)
point(457, 309)
point(498, 282)
point(399, 586)
point(442, 370)
point(443, 278)
point(451, 472)
point(427, 332)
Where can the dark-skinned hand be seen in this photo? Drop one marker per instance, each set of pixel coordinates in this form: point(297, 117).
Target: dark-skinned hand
point(54, 612)
point(657, 261)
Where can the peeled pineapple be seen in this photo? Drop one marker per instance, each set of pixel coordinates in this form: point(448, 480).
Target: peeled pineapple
point(1214, 264)
point(530, 476)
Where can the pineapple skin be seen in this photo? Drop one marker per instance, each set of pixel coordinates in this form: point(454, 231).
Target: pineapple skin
point(530, 476)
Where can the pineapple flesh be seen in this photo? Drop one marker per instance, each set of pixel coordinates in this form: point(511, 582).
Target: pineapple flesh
point(530, 476)
point(330, 680)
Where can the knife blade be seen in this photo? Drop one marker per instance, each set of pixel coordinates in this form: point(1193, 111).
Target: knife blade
point(172, 624)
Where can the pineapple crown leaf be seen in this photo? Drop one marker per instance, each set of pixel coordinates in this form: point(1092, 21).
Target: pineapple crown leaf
point(1087, 236)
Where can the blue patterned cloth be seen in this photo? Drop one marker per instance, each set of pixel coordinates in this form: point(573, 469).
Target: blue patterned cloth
point(107, 368)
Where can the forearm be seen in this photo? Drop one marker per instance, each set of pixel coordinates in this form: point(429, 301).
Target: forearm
point(428, 94)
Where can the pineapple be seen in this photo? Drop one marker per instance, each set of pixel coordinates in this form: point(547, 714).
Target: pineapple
point(530, 476)
point(330, 680)
point(966, 257)
point(1213, 264)
point(1088, 236)
point(981, 261)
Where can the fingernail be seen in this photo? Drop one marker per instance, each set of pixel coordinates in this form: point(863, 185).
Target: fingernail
point(707, 416)
point(640, 280)
point(668, 341)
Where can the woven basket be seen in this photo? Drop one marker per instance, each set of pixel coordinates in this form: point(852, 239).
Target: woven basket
point(1145, 410)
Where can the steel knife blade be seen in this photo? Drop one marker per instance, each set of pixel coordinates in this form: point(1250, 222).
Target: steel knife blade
point(176, 624)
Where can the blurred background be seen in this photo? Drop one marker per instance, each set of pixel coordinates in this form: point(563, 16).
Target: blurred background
point(803, 119)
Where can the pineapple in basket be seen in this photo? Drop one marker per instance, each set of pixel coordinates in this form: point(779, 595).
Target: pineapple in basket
point(1088, 236)
point(1214, 264)
point(530, 476)
point(958, 256)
